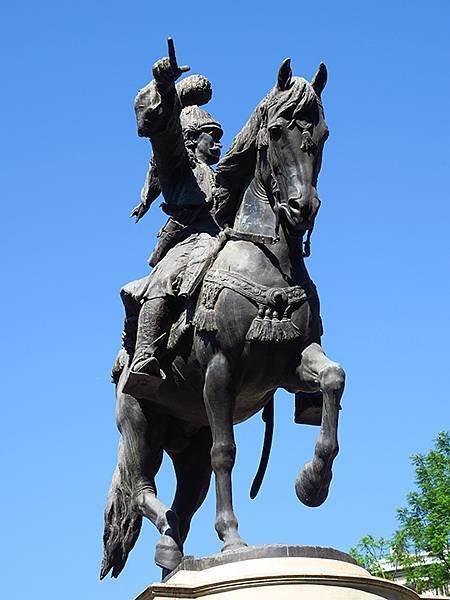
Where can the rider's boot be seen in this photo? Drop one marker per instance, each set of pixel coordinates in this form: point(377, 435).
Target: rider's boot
point(154, 321)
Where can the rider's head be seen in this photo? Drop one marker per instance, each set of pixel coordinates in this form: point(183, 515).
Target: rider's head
point(201, 132)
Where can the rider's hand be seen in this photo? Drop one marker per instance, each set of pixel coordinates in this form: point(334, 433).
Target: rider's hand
point(139, 211)
point(166, 70)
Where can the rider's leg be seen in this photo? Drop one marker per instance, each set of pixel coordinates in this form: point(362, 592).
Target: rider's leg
point(318, 372)
point(130, 324)
point(132, 308)
point(155, 315)
point(154, 321)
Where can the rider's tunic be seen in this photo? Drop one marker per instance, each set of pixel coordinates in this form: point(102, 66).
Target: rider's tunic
point(187, 187)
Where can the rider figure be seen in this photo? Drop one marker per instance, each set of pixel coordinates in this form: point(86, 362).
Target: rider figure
point(186, 142)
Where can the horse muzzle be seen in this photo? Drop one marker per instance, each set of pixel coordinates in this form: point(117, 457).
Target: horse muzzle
point(300, 213)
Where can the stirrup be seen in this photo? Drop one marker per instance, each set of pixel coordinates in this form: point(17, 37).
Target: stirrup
point(144, 377)
point(147, 364)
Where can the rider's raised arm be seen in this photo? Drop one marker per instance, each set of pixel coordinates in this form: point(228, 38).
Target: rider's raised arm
point(158, 108)
point(158, 118)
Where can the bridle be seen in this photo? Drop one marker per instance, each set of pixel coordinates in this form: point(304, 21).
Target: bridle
point(273, 189)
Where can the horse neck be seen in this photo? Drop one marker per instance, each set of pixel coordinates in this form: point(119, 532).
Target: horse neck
point(256, 215)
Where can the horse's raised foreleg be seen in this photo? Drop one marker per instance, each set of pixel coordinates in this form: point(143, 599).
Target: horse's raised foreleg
point(218, 394)
point(318, 372)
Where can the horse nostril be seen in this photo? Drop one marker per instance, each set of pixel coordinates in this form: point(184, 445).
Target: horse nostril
point(301, 208)
point(294, 203)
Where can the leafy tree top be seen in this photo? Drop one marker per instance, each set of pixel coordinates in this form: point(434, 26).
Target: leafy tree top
point(420, 547)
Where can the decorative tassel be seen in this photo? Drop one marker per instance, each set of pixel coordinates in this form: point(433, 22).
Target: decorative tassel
point(285, 330)
point(205, 319)
point(260, 330)
point(272, 330)
point(205, 316)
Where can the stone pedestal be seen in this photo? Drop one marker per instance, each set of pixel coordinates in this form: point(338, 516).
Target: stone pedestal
point(276, 572)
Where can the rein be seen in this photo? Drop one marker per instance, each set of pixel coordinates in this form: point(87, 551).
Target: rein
point(306, 251)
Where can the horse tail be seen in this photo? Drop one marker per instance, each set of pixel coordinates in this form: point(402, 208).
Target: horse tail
point(267, 416)
point(122, 524)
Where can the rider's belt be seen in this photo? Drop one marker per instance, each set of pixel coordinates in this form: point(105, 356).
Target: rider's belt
point(275, 306)
point(247, 236)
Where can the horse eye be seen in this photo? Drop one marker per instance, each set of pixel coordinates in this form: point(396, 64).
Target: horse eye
point(275, 132)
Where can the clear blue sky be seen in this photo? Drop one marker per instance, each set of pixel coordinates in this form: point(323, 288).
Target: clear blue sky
point(72, 166)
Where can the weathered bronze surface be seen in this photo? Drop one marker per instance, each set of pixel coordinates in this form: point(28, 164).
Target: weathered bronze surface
point(228, 314)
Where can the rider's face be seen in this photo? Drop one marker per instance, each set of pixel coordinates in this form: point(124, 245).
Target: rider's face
point(209, 146)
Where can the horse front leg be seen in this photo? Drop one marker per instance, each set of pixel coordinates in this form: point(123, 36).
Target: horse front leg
point(218, 394)
point(318, 372)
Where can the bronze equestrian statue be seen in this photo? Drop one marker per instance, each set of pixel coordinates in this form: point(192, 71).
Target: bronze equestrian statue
point(228, 315)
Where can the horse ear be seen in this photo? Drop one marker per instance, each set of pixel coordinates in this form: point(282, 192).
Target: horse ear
point(320, 79)
point(284, 75)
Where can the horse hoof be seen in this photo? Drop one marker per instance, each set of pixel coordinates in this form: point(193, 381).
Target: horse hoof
point(311, 489)
point(168, 554)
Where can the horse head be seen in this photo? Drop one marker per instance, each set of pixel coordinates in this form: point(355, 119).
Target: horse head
point(292, 137)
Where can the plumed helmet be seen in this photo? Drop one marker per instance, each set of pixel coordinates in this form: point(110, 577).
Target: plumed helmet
point(194, 119)
point(195, 89)
point(193, 92)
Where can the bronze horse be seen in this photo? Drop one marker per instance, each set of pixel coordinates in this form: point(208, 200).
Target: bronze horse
point(256, 328)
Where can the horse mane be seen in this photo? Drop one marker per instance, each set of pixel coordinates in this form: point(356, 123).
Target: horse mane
point(236, 170)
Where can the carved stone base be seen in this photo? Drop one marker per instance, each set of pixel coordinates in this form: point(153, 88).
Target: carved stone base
point(276, 573)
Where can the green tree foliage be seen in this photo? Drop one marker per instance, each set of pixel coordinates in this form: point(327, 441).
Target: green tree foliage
point(420, 548)
point(371, 554)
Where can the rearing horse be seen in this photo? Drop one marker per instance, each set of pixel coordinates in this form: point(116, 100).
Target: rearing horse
point(256, 328)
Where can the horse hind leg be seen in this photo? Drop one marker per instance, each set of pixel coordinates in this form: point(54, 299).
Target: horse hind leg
point(168, 551)
point(133, 491)
point(193, 473)
point(319, 372)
